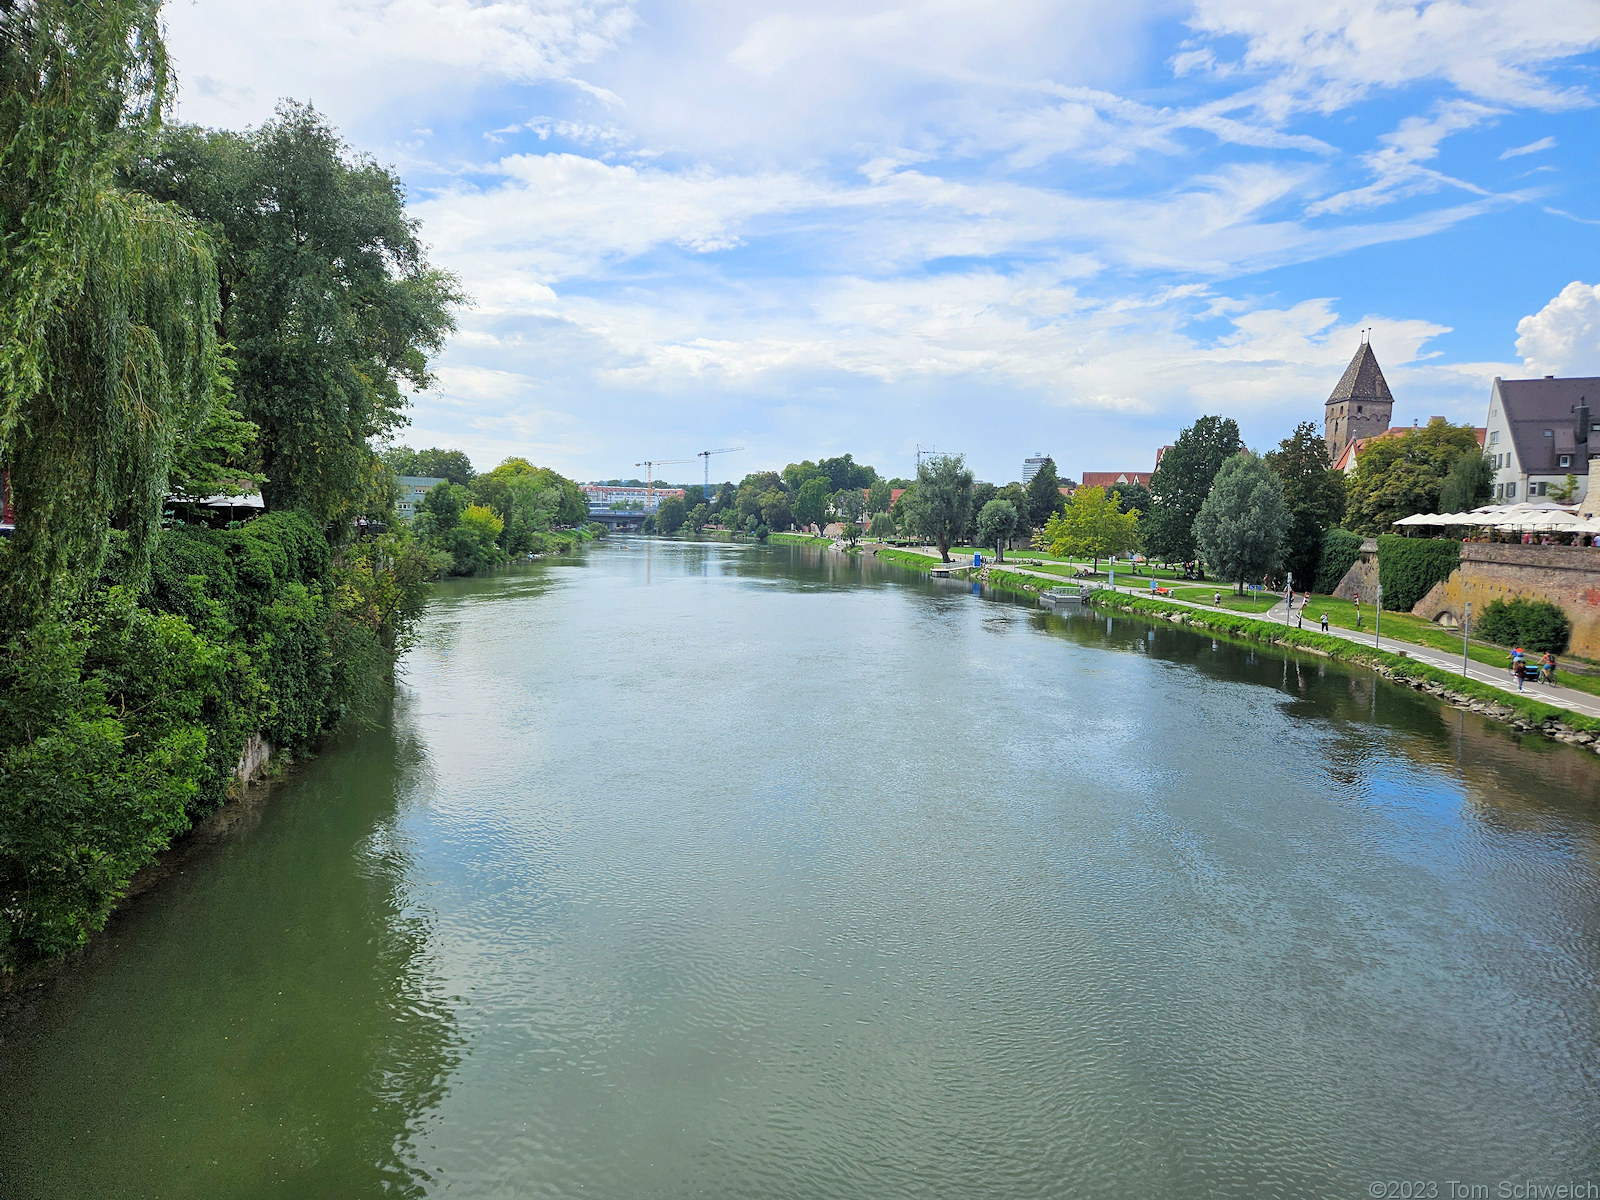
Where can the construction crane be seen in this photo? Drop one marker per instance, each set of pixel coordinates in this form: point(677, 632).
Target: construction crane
point(705, 457)
point(649, 466)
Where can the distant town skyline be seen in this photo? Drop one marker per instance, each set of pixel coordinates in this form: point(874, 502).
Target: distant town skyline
point(859, 228)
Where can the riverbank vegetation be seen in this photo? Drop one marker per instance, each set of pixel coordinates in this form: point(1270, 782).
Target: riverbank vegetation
point(186, 313)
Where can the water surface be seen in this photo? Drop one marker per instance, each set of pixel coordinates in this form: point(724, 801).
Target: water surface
point(756, 872)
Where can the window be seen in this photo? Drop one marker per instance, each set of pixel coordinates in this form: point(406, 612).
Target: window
point(1537, 489)
point(1549, 433)
point(1494, 437)
point(1499, 491)
point(1566, 460)
point(1358, 410)
point(1511, 491)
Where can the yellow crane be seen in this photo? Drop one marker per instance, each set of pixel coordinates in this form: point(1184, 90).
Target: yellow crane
point(650, 465)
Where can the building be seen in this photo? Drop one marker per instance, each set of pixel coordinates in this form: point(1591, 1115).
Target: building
point(1030, 466)
point(605, 495)
point(1161, 452)
point(894, 496)
point(1360, 406)
point(1109, 479)
point(412, 489)
point(1541, 431)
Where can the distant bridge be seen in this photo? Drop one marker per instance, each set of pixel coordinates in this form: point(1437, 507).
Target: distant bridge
point(617, 522)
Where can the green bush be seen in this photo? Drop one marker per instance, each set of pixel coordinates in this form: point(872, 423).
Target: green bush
point(1340, 549)
point(1409, 567)
point(1535, 625)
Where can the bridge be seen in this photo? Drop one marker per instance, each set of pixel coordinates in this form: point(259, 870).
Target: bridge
point(617, 522)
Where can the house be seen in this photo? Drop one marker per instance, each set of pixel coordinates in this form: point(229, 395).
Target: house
point(412, 489)
point(1541, 431)
point(894, 496)
point(1110, 479)
point(1161, 452)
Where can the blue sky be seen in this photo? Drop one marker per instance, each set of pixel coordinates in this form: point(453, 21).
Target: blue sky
point(994, 229)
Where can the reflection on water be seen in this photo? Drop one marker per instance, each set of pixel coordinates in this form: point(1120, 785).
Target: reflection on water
point(265, 1023)
point(726, 870)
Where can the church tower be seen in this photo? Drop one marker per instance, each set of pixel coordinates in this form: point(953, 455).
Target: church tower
point(1360, 406)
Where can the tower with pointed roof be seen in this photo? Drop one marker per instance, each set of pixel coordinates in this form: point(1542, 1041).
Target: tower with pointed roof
point(1360, 406)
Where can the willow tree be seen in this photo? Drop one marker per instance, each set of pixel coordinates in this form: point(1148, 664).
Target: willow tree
point(108, 298)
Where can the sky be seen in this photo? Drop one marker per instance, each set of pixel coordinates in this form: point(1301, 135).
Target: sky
point(1070, 227)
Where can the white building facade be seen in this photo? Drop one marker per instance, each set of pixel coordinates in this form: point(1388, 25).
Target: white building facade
point(605, 495)
point(1539, 432)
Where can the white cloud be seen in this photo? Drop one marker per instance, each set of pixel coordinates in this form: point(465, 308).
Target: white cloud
point(1544, 143)
point(1563, 337)
point(1329, 55)
point(1397, 166)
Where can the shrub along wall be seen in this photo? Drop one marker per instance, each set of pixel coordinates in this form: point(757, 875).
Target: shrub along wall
point(1535, 625)
point(1340, 549)
point(1409, 567)
point(122, 721)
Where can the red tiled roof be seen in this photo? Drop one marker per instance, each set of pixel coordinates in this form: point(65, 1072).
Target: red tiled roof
point(1105, 479)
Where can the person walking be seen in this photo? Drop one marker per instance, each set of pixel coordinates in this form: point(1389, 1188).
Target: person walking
point(1324, 622)
point(1519, 667)
point(1216, 599)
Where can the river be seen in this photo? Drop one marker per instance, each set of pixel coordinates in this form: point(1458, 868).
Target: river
point(700, 869)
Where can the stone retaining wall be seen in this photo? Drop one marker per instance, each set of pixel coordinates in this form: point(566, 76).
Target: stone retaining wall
point(1565, 575)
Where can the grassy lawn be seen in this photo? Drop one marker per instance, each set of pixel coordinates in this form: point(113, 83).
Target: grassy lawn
point(1250, 602)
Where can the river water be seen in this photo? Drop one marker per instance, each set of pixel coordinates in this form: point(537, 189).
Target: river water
point(699, 869)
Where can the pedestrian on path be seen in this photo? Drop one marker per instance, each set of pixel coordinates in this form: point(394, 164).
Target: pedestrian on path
point(1324, 622)
point(1216, 599)
point(1547, 668)
point(1519, 667)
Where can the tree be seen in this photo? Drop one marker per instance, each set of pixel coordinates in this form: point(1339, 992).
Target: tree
point(1132, 496)
point(797, 475)
point(811, 503)
point(432, 463)
point(1017, 495)
point(850, 532)
point(1314, 493)
point(1403, 474)
point(327, 301)
point(944, 500)
point(906, 512)
point(844, 472)
point(1561, 495)
point(849, 504)
point(879, 497)
point(1181, 484)
point(699, 516)
point(109, 356)
point(1044, 494)
point(1092, 524)
point(775, 511)
point(1471, 483)
point(982, 493)
point(1241, 525)
point(882, 526)
point(670, 515)
point(997, 520)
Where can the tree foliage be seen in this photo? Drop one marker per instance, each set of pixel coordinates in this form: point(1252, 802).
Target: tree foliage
point(1241, 525)
point(1404, 474)
point(1340, 550)
point(432, 463)
point(1092, 525)
point(1314, 492)
point(109, 360)
point(1536, 625)
point(997, 521)
point(943, 500)
point(1182, 483)
point(811, 502)
point(1044, 494)
point(1470, 482)
point(327, 301)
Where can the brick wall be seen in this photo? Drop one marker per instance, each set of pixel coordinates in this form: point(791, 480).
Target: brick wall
point(1564, 575)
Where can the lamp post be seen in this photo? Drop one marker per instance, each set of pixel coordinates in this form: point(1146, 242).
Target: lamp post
point(1377, 617)
point(1466, 632)
point(1288, 596)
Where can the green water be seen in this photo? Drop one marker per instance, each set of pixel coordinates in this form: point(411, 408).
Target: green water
point(731, 871)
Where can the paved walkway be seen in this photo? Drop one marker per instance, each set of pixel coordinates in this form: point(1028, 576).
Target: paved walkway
point(1496, 677)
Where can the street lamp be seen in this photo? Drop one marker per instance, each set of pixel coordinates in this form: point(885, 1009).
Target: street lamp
point(1377, 618)
point(1466, 627)
point(1288, 596)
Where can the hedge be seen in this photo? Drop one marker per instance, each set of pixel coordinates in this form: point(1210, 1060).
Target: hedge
point(1535, 625)
point(1408, 568)
point(1340, 549)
